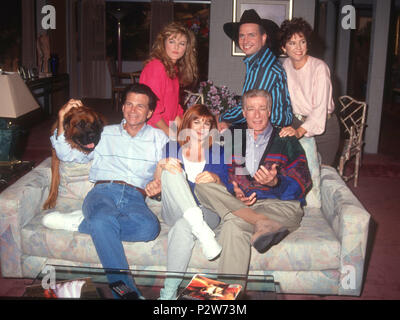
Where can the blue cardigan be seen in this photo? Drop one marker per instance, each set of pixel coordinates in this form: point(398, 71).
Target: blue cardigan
point(215, 162)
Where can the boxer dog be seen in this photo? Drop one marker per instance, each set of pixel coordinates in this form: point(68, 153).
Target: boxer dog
point(82, 129)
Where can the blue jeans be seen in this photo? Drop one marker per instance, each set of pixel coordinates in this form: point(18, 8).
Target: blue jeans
point(115, 213)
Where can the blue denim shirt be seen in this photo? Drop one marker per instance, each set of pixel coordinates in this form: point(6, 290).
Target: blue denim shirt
point(118, 156)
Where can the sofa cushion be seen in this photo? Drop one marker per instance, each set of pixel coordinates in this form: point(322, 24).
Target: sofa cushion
point(37, 240)
point(312, 247)
point(74, 181)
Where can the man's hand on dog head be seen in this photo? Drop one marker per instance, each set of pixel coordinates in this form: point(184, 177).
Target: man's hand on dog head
point(72, 103)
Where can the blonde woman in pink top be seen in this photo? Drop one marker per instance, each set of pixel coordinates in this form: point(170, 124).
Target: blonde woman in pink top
point(172, 64)
point(310, 89)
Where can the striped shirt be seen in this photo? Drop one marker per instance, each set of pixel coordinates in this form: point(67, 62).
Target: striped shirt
point(119, 156)
point(264, 71)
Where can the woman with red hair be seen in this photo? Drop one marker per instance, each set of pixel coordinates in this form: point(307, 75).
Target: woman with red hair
point(192, 159)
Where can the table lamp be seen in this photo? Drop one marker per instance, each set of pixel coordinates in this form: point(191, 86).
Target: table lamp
point(16, 100)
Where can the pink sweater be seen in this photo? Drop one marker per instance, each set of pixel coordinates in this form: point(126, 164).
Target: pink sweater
point(310, 91)
point(166, 89)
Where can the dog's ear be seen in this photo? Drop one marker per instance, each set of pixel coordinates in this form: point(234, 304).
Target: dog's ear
point(66, 123)
point(101, 119)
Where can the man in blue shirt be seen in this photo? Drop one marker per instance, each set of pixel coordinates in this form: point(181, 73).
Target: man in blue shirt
point(123, 164)
point(256, 37)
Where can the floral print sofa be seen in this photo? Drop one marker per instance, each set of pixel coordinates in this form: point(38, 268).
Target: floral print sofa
point(326, 255)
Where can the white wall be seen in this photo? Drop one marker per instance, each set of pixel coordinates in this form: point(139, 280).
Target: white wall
point(377, 73)
point(223, 68)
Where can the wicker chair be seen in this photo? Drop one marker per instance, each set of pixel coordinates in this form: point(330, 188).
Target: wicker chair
point(352, 116)
point(199, 97)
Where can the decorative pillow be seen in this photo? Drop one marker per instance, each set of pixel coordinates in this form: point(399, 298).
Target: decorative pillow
point(313, 197)
point(74, 180)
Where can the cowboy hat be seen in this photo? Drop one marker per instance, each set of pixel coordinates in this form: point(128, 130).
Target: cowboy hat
point(231, 29)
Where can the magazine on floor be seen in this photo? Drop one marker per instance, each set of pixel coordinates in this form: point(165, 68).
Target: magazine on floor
point(203, 288)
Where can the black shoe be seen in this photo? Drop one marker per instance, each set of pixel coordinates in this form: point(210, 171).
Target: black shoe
point(265, 241)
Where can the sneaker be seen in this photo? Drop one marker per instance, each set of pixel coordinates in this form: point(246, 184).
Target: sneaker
point(63, 221)
point(166, 294)
point(170, 290)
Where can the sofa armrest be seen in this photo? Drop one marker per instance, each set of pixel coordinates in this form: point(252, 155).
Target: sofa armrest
point(350, 222)
point(19, 203)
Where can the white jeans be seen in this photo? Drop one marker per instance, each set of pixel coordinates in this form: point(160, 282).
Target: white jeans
point(313, 197)
point(177, 197)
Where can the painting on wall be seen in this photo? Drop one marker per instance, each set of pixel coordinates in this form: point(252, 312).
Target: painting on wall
point(276, 10)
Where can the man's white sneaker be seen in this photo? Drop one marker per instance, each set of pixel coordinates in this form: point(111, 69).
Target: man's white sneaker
point(170, 290)
point(63, 221)
point(166, 294)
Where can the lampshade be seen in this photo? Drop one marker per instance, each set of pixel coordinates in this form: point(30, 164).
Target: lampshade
point(15, 97)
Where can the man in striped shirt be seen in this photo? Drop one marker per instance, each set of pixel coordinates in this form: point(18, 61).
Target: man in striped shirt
point(256, 38)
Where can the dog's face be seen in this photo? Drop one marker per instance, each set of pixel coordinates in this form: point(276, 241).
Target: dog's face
point(83, 128)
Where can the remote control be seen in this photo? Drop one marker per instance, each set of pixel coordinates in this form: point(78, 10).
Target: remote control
point(123, 291)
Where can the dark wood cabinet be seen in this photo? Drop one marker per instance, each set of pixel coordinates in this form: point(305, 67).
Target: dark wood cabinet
point(50, 92)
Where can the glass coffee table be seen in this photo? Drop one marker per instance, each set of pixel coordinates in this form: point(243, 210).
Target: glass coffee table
point(91, 283)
